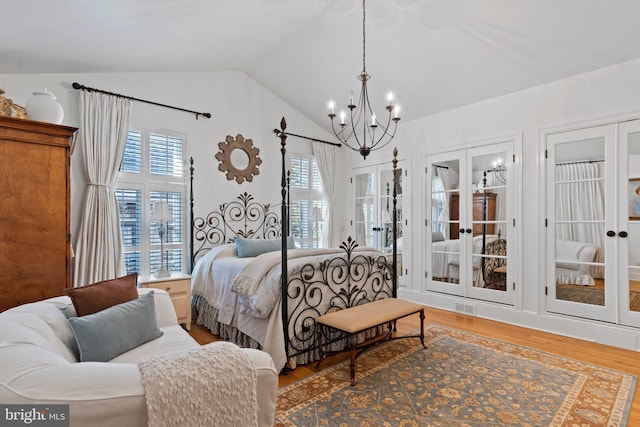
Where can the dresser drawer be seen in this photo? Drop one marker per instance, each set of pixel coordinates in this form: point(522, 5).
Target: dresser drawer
point(174, 288)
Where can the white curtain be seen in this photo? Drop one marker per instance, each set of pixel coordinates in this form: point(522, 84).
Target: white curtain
point(580, 198)
point(362, 201)
point(104, 126)
point(445, 178)
point(325, 155)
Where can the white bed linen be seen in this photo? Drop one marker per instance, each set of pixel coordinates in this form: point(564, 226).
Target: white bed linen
point(445, 257)
point(213, 280)
point(260, 316)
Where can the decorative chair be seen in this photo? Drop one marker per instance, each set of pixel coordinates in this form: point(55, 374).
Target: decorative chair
point(495, 269)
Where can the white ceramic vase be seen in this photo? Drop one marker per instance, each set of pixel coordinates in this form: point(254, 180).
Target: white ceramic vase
point(44, 107)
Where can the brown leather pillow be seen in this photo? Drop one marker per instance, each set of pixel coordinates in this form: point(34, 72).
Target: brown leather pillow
point(102, 295)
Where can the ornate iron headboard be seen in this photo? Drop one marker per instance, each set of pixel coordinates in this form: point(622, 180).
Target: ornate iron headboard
point(241, 217)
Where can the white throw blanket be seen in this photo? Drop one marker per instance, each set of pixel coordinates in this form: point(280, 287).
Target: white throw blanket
point(246, 283)
point(214, 385)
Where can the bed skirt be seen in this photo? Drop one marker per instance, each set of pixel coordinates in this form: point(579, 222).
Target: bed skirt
point(204, 314)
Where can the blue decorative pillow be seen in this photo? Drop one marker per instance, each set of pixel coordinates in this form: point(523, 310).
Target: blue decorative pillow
point(255, 247)
point(104, 335)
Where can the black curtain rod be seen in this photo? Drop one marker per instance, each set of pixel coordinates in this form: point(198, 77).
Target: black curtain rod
point(582, 161)
point(278, 132)
point(78, 86)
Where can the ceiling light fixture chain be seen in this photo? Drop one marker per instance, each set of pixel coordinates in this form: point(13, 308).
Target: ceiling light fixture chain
point(363, 113)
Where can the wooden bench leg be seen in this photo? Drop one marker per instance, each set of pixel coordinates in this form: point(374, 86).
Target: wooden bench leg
point(352, 365)
point(422, 328)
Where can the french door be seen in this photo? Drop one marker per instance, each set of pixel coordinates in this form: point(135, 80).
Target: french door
point(470, 227)
point(373, 211)
point(593, 223)
point(628, 247)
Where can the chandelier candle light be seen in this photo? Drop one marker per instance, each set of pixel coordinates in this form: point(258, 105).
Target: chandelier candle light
point(162, 215)
point(498, 171)
point(362, 115)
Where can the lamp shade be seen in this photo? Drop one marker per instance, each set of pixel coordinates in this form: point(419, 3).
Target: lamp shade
point(161, 212)
point(316, 214)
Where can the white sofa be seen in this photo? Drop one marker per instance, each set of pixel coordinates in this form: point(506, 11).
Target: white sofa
point(571, 257)
point(39, 365)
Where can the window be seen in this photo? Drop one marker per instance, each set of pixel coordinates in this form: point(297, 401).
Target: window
point(152, 170)
point(307, 202)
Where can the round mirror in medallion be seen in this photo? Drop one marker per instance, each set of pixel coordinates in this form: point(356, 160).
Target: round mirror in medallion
point(238, 158)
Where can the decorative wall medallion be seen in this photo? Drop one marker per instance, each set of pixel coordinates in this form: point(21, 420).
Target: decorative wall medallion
point(238, 158)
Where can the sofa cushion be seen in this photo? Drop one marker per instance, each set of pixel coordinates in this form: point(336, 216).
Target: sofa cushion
point(572, 254)
point(99, 296)
point(103, 335)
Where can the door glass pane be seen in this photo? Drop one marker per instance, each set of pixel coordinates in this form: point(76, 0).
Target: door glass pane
point(365, 214)
point(386, 209)
point(580, 221)
point(445, 221)
point(488, 201)
point(633, 226)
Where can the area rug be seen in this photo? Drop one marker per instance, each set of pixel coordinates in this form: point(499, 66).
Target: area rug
point(591, 295)
point(577, 293)
point(461, 379)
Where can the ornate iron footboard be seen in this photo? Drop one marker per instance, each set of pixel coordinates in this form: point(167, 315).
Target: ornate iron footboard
point(312, 289)
point(303, 318)
point(335, 284)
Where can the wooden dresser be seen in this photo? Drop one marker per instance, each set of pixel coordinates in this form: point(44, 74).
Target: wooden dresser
point(35, 251)
point(478, 201)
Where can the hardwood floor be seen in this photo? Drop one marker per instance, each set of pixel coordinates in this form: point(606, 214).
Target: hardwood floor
point(602, 355)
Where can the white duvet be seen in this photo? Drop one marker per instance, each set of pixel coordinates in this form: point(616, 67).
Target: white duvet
point(445, 256)
point(257, 315)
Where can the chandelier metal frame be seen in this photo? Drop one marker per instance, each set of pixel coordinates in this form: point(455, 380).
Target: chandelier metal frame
point(362, 116)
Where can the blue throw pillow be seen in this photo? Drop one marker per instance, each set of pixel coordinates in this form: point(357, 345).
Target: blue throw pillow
point(255, 247)
point(104, 335)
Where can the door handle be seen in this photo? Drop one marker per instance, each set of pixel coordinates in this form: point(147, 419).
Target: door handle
point(623, 234)
point(611, 233)
point(469, 230)
point(462, 231)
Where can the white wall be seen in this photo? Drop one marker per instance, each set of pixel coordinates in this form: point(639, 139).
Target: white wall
point(594, 96)
point(239, 105)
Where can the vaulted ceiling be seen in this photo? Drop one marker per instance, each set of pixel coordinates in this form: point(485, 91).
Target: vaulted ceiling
point(434, 55)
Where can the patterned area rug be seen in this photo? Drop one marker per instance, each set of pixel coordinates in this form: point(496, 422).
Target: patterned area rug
point(577, 293)
point(590, 295)
point(461, 379)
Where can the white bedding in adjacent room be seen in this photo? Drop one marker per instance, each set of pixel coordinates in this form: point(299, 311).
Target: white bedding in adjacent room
point(445, 257)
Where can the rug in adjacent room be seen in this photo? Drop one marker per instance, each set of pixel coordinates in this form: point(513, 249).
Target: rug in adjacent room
point(460, 379)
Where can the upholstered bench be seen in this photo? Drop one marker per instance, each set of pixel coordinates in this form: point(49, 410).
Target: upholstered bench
point(366, 316)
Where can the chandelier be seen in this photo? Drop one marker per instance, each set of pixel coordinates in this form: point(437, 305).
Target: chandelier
point(359, 129)
point(498, 171)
